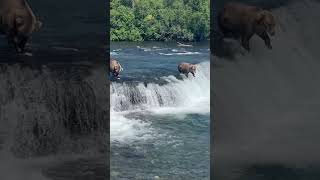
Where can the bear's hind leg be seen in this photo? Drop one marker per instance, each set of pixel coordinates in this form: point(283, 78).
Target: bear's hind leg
point(245, 38)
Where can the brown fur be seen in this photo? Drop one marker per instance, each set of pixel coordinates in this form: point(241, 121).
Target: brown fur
point(186, 68)
point(115, 68)
point(18, 22)
point(242, 21)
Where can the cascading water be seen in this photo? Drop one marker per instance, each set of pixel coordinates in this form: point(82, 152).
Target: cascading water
point(159, 116)
point(186, 95)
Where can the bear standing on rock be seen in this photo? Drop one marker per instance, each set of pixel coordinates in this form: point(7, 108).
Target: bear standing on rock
point(17, 22)
point(242, 21)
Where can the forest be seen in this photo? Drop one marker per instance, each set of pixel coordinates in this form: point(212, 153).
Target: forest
point(160, 20)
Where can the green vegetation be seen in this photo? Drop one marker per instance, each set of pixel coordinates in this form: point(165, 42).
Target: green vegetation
point(160, 20)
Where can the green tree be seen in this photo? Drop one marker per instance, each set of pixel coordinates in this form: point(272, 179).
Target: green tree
point(160, 20)
point(122, 28)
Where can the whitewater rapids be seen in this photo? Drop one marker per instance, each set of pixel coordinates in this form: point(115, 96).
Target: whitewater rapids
point(176, 97)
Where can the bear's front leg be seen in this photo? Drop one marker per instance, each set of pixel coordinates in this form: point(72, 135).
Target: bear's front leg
point(13, 41)
point(245, 43)
point(246, 35)
point(266, 39)
point(22, 43)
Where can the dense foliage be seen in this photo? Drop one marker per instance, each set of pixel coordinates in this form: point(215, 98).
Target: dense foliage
point(159, 20)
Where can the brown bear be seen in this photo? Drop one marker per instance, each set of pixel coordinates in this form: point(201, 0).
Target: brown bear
point(186, 68)
point(115, 68)
point(17, 22)
point(243, 21)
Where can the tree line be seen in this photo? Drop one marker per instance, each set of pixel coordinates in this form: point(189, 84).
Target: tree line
point(160, 20)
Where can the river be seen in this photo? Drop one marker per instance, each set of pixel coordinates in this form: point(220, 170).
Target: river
point(159, 118)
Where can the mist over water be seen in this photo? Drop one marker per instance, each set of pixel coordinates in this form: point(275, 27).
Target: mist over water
point(267, 101)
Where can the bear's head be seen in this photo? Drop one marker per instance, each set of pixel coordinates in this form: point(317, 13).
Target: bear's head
point(27, 24)
point(23, 28)
point(266, 21)
point(192, 68)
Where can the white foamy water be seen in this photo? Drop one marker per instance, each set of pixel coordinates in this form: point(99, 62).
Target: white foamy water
point(179, 53)
point(113, 53)
point(176, 97)
point(123, 129)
